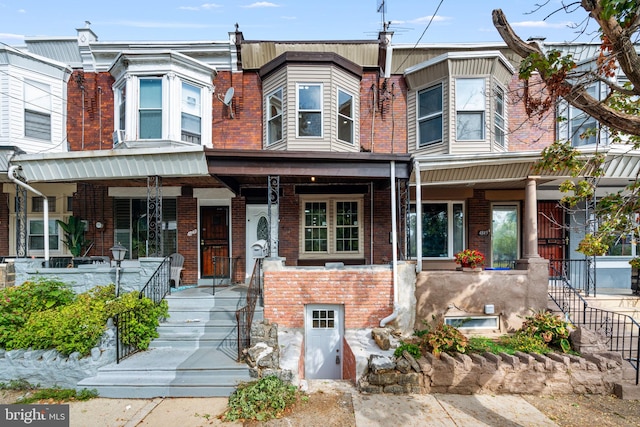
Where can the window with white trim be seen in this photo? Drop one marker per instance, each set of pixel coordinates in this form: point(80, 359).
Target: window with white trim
point(37, 110)
point(332, 227)
point(191, 114)
point(150, 110)
point(583, 129)
point(470, 109)
point(443, 229)
point(121, 102)
point(345, 116)
point(430, 116)
point(274, 117)
point(35, 236)
point(309, 110)
point(499, 123)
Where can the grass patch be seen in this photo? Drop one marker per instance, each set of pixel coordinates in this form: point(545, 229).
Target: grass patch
point(58, 395)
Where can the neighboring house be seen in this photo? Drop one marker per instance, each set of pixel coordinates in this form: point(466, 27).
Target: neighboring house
point(350, 160)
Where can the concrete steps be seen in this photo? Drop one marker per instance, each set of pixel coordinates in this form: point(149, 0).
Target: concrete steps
point(194, 355)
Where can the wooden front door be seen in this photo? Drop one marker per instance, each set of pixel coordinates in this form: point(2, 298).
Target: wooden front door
point(214, 241)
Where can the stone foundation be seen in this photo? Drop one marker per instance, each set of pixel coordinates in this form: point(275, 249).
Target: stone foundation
point(7, 275)
point(263, 357)
point(489, 373)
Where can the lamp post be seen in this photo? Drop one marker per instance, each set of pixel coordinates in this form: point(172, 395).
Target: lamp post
point(118, 252)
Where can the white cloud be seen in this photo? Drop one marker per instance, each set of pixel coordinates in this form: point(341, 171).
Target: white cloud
point(541, 24)
point(22, 10)
point(204, 6)
point(427, 19)
point(260, 4)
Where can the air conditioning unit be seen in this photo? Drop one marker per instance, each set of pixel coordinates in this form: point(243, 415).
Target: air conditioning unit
point(118, 137)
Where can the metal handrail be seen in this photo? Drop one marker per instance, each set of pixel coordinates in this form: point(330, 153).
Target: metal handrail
point(244, 315)
point(621, 331)
point(156, 289)
point(221, 266)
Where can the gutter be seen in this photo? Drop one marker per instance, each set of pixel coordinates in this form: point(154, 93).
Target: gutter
point(13, 176)
point(394, 243)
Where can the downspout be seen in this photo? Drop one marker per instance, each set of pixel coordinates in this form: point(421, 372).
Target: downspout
point(416, 169)
point(394, 243)
point(12, 173)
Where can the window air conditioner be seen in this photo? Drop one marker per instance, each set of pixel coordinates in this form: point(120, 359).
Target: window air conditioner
point(118, 137)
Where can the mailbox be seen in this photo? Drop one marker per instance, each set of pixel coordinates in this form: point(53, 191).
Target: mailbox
point(259, 249)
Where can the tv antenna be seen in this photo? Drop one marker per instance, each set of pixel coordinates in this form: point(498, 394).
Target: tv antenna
point(382, 8)
point(228, 100)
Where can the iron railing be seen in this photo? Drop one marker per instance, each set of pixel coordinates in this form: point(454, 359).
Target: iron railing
point(575, 271)
point(224, 267)
point(244, 316)
point(156, 289)
point(621, 331)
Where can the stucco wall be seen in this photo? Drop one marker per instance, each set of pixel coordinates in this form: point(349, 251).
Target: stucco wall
point(513, 293)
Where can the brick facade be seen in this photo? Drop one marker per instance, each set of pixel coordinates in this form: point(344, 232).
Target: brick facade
point(367, 296)
point(188, 244)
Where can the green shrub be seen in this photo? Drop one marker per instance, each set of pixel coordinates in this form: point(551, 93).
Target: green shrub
point(447, 339)
point(17, 303)
point(141, 327)
point(550, 328)
point(260, 400)
point(411, 348)
point(525, 343)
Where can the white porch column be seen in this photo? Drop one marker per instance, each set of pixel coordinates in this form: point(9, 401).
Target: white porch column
point(530, 220)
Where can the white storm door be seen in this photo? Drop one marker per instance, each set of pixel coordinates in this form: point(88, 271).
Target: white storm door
point(323, 341)
point(257, 229)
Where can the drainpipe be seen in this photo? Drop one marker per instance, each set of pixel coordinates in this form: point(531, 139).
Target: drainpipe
point(12, 173)
point(416, 168)
point(394, 243)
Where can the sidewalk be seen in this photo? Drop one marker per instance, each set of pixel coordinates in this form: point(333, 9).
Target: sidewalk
point(370, 411)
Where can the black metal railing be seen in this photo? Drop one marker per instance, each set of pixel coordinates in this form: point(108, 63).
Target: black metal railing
point(575, 272)
point(224, 268)
point(621, 331)
point(244, 316)
point(156, 289)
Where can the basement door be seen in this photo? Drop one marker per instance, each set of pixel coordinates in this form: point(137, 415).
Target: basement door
point(324, 330)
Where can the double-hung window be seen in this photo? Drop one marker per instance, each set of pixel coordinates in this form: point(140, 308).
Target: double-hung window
point(150, 112)
point(332, 227)
point(499, 128)
point(36, 235)
point(191, 112)
point(345, 116)
point(583, 128)
point(309, 110)
point(442, 229)
point(430, 115)
point(37, 110)
point(274, 117)
point(470, 108)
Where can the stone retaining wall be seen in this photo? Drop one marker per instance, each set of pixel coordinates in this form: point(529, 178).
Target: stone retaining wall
point(49, 368)
point(489, 373)
point(7, 275)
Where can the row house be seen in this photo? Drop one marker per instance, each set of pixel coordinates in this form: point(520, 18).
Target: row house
point(360, 166)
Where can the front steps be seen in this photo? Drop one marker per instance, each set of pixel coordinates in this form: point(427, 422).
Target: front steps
point(194, 355)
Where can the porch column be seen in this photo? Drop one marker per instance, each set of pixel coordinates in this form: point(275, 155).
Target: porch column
point(530, 220)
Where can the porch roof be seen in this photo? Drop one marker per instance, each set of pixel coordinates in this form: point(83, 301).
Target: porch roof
point(238, 167)
point(128, 164)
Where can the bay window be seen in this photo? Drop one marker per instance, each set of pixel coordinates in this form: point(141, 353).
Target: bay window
point(345, 116)
point(470, 109)
point(37, 110)
point(150, 112)
point(274, 117)
point(191, 112)
point(499, 128)
point(309, 110)
point(430, 115)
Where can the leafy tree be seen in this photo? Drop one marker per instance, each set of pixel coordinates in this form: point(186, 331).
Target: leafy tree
point(618, 25)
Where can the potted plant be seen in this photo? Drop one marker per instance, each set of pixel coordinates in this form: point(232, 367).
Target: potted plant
point(73, 234)
point(470, 258)
point(635, 275)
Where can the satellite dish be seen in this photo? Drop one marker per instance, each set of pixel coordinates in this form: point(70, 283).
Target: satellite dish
point(228, 97)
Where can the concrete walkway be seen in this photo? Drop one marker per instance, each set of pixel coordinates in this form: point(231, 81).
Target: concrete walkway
point(370, 411)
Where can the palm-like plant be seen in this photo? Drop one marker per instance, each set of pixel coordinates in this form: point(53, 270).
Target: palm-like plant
point(74, 238)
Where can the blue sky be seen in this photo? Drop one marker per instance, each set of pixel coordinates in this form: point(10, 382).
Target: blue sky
point(115, 20)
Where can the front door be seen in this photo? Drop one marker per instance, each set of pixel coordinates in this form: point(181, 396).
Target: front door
point(258, 229)
point(214, 242)
point(323, 341)
point(504, 234)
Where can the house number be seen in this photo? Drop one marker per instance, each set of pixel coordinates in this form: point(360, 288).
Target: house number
point(484, 232)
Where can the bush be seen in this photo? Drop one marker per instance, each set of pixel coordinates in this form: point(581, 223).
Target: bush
point(17, 303)
point(144, 319)
point(411, 348)
point(260, 400)
point(550, 328)
point(447, 339)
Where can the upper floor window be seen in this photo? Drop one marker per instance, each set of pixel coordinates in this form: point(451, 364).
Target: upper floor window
point(274, 117)
point(499, 128)
point(121, 95)
point(470, 107)
point(191, 112)
point(309, 110)
point(37, 110)
point(150, 112)
point(430, 115)
point(583, 128)
point(345, 116)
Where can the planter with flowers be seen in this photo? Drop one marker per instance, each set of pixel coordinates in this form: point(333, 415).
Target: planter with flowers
point(635, 275)
point(470, 260)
